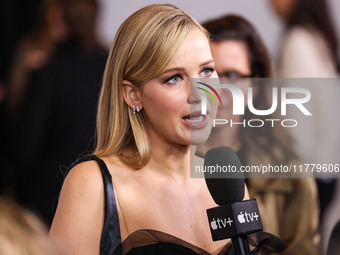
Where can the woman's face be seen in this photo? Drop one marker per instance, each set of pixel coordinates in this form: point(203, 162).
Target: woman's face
point(171, 106)
point(232, 61)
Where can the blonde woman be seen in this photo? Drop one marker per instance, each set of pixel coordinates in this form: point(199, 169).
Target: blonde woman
point(144, 128)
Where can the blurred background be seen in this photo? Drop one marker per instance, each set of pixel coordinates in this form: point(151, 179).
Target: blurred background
point(260, 13)
point(52, 57)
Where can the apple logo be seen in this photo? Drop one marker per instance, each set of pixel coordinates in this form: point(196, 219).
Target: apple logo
point(213, 224)
point(240, 218)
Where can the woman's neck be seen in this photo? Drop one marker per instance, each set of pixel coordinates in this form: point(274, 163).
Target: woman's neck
point(170, 160)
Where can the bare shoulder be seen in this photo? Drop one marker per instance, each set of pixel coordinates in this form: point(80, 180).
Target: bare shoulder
point(86, 175)
point(79, 218)
point(84, 182)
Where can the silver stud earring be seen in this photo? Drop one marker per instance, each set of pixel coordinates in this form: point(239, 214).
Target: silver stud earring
point(134, 109)
point(137, 108)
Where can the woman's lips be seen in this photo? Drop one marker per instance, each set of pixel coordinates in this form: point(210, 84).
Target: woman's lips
point(195, 120)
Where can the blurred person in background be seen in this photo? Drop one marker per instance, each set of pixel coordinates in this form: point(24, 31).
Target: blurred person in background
point(288, 207)
point(31, 53)
point(35, 50)
point(310, 49)
point(56, 120)
point(16, 21)
point(22, 232)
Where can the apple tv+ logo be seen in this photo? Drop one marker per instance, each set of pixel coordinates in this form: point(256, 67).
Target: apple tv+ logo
point(242, 218)
point(239, 218)
point(220, 223)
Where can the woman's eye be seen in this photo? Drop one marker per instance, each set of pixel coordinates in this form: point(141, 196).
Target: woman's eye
point(207, 71)
point(173, 79)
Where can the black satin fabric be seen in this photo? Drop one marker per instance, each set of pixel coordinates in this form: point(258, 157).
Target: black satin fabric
point(153, 242)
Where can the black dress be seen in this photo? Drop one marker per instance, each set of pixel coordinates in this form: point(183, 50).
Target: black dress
point(153, 242)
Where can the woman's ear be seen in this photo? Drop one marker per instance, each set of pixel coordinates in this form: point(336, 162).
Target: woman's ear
point(132, 95)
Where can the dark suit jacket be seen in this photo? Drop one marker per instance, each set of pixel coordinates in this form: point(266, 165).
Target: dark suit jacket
point(56, 124)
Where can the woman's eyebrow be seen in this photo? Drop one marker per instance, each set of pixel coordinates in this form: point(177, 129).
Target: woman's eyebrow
point(173, 69)
point(207, 62)
point(182, 68)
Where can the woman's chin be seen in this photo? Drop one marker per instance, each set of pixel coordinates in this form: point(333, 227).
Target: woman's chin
point(198, 137)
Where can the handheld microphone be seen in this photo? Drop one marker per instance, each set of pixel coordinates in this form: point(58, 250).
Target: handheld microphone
point(234, 218)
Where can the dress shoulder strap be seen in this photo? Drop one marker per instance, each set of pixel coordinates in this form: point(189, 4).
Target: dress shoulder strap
point(110, 242)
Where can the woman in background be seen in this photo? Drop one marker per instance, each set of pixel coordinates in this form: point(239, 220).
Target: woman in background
point(288, 207)
point(310, 49)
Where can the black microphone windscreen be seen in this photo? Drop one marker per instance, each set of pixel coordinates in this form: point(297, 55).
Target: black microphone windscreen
point(224, 190)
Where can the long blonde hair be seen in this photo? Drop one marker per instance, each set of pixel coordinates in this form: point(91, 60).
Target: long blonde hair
point(144, 46)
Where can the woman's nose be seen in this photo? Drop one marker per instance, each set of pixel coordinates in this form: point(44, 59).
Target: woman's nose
point(194, 94)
